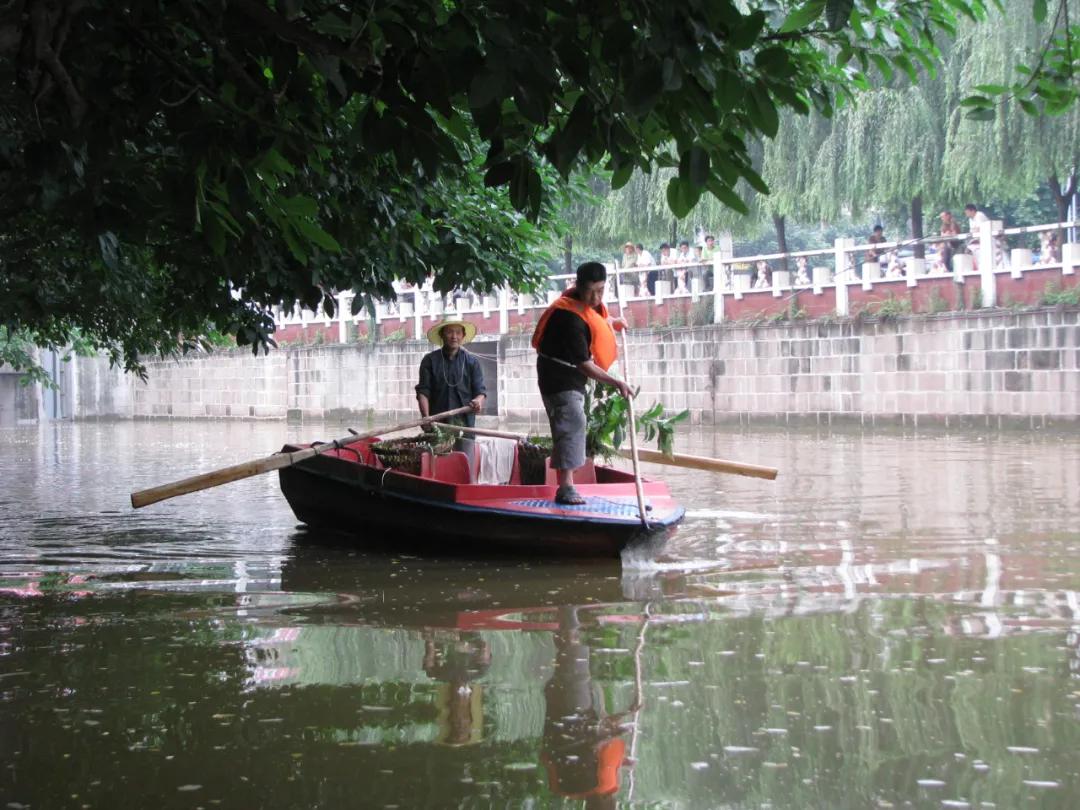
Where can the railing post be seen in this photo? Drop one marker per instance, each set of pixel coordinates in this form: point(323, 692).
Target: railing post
point(418, 313)
point(343, 301)
point(840, 277)
point(986, 261)
point(504, 310)
point(1070, 258)
point(718, 287)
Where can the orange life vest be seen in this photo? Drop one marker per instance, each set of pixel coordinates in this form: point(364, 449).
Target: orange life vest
point(610, 756)
point(601, 346)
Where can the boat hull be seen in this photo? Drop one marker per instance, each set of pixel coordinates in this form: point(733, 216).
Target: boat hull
point(398, 510)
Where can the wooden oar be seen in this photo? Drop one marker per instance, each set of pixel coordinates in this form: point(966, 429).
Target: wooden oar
point(638, 488)
point(716, 465)
point(275, 462)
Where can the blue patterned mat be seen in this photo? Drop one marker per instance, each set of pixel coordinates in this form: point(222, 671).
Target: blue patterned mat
point(594, 505)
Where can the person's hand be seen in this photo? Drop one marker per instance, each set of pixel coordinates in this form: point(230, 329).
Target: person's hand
point(624, 389)
point(477, 403)
point(618, 324)
point(428, 427)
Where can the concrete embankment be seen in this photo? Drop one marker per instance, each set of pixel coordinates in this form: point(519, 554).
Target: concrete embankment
point(996, 368)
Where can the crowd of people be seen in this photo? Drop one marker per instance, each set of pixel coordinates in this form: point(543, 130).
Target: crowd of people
point(940, 255)
point(677, 265)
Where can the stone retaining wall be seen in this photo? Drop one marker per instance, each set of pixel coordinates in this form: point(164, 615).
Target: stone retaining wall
point(987, 367)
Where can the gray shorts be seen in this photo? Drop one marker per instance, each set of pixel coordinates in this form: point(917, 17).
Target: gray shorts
point(566, 415)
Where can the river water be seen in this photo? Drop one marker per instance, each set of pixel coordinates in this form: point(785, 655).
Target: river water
point(894, 621)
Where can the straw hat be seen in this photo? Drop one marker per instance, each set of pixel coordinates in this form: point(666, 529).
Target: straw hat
point(434, 333)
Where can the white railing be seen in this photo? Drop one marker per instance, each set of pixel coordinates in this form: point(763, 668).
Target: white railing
point(729, 277)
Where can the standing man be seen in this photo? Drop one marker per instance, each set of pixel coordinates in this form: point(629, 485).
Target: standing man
point(574, 341)
point(451, 377)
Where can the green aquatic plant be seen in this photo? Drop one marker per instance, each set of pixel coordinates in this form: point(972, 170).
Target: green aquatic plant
point(608, 422)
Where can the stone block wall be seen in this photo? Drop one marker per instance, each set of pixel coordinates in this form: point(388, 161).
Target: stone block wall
point(993, 367)
point(98, 390)
point(228, 384)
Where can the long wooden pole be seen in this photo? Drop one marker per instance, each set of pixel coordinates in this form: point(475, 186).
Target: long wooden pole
point(638, 488)
point(716, 465)
point(277, 461)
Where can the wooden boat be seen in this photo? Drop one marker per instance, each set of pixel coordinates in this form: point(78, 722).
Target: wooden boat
point(348, 489)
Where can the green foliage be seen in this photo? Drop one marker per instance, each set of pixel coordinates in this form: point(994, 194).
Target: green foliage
point(190, 162)
point(977, 298)
point(701, 313)
point(891, 308)
point(397, 336)
point(937, 302)
point(608, 422)
point(1052, 296)
point(1047, 86)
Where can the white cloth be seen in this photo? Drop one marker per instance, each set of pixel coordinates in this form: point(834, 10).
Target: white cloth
point(496, 459)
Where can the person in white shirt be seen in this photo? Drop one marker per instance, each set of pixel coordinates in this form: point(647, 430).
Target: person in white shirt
point(644, 258)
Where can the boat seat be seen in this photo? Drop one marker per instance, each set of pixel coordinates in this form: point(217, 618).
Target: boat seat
point(585, 474)
point(452, 468)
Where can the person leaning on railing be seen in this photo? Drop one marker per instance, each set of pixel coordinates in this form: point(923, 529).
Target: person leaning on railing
point(949, 227)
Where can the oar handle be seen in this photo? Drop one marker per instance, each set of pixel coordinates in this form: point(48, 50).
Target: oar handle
point(717, 465)
point(276, 461)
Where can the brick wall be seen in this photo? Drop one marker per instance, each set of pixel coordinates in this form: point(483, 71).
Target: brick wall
point(994, 367)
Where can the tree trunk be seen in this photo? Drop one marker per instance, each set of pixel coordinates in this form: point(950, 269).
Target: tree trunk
point(917, 232)
point(674, 233)
point(781, 239)
point(568, 254)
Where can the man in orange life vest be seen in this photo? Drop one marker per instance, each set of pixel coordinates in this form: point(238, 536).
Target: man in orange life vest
point(575, 341)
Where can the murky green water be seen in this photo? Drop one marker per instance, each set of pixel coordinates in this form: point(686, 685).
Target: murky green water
point(895, 621)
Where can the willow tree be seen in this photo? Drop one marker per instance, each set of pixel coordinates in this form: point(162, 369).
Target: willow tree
point(1005, 148)
point(789, 163)
point(639, 211)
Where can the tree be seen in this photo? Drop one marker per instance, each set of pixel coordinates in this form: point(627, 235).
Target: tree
point(164, 163)
point(1006, 148)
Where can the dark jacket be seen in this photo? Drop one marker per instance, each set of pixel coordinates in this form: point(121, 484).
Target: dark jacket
point(450, 384)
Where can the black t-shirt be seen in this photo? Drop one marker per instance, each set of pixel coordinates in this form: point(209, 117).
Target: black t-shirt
point(566, 337)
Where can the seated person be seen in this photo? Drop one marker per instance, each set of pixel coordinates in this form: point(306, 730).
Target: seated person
point(802, 275)
point(763, 275)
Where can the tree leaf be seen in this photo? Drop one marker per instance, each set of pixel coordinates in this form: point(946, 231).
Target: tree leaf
point(621, 176)
point(695, 166)
point(314, 233)
point(645, 88)
point(802, 17)
point(762, 111)
point(499, 174)
point(838, 13)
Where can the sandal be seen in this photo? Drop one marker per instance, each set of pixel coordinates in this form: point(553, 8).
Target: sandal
point(568, 496)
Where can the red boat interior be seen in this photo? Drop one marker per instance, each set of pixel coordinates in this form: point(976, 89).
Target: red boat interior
point(454, 467)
